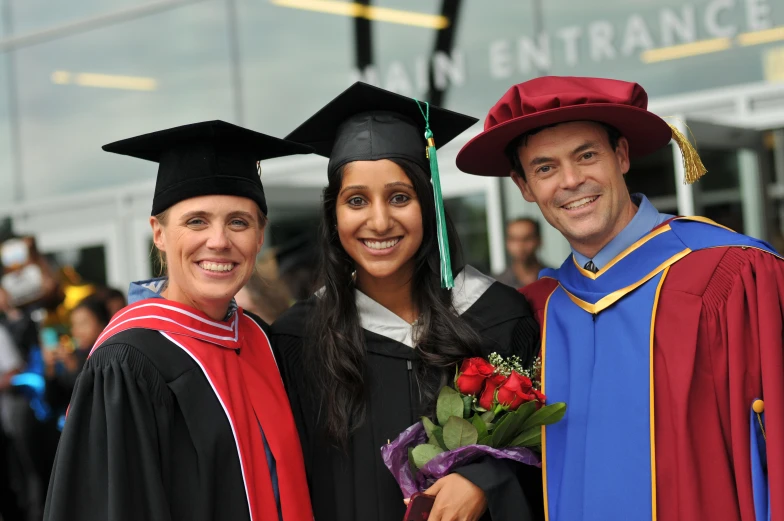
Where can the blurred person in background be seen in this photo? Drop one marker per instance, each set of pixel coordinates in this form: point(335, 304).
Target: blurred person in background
point(523, 240)
point(20, 489)
point(63, 363)
point(264, 296)
point(298, 266)
point(11, 363)
point(113, 298)
point(20, 325)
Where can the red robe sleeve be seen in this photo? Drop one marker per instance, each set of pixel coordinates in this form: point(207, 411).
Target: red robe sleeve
point(537, 295)
point(718, 346)
point(755, 329)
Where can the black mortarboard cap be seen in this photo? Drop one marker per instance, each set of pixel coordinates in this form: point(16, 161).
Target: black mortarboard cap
point(208, 158)
point(366, 123)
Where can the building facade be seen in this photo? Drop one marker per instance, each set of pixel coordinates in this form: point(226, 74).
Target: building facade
point(76, 76)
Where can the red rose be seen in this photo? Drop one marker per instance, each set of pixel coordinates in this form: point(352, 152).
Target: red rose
point(539, 397)
point(487, 399)
point(473, 374)
point(515, 391)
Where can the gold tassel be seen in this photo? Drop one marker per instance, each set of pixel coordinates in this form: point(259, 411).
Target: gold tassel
point(692, 164)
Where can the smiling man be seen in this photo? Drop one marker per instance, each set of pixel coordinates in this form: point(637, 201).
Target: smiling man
point(663, 334)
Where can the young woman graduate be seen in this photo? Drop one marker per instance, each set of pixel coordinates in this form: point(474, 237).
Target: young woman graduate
point(365, 357)
point(180, 412)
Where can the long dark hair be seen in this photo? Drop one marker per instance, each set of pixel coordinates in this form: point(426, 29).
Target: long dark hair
point(337, 352)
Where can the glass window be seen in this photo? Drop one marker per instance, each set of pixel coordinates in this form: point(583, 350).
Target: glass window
point(722, 165)
point(487, 39)
point(667, 46)
point(9, 177)
point(86, 90)
point(469, 215)
point(643, 41)
point(294, 60)
point(88, 262)
point(401, 51)
point(653, 175)
point(728, 214)
point(35, 15)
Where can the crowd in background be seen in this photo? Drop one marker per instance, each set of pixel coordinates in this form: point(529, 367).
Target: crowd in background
point(39, 365)
point(41, 355)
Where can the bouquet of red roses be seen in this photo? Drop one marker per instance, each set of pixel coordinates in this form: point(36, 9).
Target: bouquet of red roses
point(496, 410)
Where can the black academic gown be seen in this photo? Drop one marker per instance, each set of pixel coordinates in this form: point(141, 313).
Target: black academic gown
point(354, 485)
point(146, 439)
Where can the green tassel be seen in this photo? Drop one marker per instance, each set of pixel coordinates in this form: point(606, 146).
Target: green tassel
point(447, 280)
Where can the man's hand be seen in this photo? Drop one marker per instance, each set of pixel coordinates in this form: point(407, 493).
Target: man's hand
point(457, 499)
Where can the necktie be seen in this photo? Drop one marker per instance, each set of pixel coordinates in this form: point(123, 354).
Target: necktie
point(590, 266)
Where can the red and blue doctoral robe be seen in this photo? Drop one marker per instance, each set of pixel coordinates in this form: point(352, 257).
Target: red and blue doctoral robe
point(660, 357)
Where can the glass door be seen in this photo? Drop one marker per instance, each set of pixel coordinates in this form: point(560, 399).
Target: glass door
point(731, 193)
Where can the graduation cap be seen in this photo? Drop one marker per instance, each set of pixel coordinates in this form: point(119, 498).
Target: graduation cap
point(207, 158)
point(366, 123)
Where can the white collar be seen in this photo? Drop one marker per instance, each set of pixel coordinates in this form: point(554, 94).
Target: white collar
point(470, 284)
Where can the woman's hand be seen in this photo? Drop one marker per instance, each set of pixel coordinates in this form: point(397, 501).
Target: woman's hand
point(457, 499)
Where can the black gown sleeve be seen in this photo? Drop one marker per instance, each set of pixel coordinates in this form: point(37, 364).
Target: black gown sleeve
point(501, 483)
point(108, 464)
point(286, 336)
point(525, 340)
point(513, 490)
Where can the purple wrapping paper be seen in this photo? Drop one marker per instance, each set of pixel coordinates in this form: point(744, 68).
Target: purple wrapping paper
point(395, 456)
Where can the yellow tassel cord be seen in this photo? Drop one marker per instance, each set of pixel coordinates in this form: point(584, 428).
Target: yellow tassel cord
point(759, 407)
point(692, 164)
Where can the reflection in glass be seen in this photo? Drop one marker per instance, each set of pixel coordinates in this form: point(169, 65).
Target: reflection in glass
point(64, 123)
point(37, 15)
point(9, 177)
point(292, 63)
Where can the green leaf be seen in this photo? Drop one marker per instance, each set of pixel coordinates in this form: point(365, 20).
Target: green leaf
point(480, 425)
point(429, 425)
point(459, 433)
point(488, 416)
point(449, 404)
point(439, 435)
point(547, 415)
point(411, 463)
point(485, 441)
point(531, 437)
point(424, 453)
point(468, 401)
point(526, 410)
point(437, 438)
point(435, 434)
point(512, 425)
